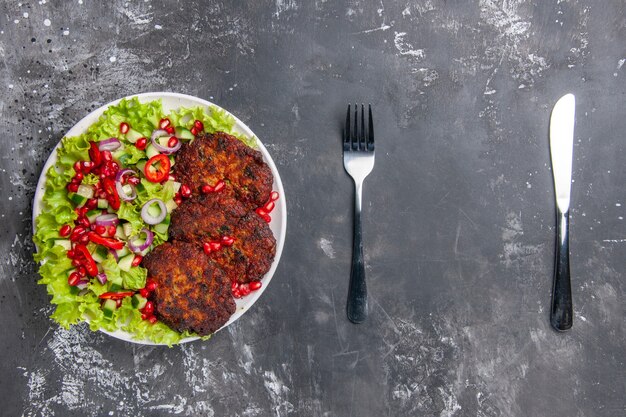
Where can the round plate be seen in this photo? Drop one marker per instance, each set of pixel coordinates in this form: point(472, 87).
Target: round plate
point(173, 101)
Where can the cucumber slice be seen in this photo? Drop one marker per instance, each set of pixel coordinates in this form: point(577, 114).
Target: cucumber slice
point(176, 186)
point(85, 190)
point(182, 133)
point(140, 166)
point(102, 203)
point(100, 254)
point(151, 151)
point(154, 210)
point(171, 205)
point(161, 228)
point(92, 214)
point(138, 301)
point(78, 199)
point(108, 308)
point(132, 135)
point(65, 243)
point(115, 287)
point(119, 232)
point(126, 262)
point(122, 252)
point(128, 229)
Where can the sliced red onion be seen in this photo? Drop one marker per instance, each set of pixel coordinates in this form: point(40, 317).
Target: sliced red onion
point(143, 246)
point(163, 149)
point(109, 144)
point(150, 219)
point(82, 284)
point(108, 219)
point(102, 277)
point(120, 188)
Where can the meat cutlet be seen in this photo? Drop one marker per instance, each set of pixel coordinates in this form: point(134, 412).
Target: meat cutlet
point(213, 216)
point(220, 156)
point(192, 292)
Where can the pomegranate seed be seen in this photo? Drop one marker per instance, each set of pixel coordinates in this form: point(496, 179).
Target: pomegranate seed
point(81, 271)
point(141, 143)
point(124, 127)
point(137, 260)
point(227, 240)
point(103, 175)
point(215, 246)
point(92, 203)
point(178, 200)
point(170, 130)
point(206, 189)
point(173, 141)
point(261, 212)
point(112, 230)
point(84, 239)
point(206, 246)
point(114, 167)
point(83, 221)
point(106, 155)
point(118, 303)
point(133, 180)
point(87, 166)
point(73, 278)
point(198, 125)
point(185, 191)
point(149, 308)
point(152, 319)
point(65, 230)
point(219, 186)
point(236, 294)
point(269, 207)
point(70, 254)
point(234, 285)
point(72, 188)
point(76, 263)
point(274, 196)
point(77, 166)
point(164, 123)
point(79, 176)
point(151, 284)
point(144, 316)
point(144, 292)
point(194, 131)
point(255, 285)
point(93, 227)
point(244, 289)
point(102, 194)
point(100, 230)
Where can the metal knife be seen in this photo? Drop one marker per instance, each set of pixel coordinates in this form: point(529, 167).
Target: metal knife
point(561, 149)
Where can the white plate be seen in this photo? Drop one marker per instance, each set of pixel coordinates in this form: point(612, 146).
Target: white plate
point(173, 101)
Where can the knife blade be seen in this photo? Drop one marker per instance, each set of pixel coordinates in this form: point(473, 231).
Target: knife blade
point(561, 153)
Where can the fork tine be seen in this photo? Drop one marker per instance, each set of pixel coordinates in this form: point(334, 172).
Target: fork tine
point(354, 140)
point(362, 143)
point(370, 131)
point(346, 134)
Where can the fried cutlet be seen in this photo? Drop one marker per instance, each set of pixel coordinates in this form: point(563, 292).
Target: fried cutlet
point(192, 293)
point(213, 216)
point(220, 156)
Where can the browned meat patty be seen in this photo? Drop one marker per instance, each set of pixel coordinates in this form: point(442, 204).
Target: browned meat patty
point(213, 216)
point(192, 293)
point(220, 156)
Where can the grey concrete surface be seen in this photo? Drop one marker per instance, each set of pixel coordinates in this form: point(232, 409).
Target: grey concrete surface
point(458, 212)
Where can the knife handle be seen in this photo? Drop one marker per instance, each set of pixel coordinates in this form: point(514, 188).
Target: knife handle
point(561, 315)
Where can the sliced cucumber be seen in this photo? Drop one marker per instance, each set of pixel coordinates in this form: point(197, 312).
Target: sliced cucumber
point(170, 205)
point(182, 133)
point(102, 203)
point(161, 228)
point(138, 301)
point(78, 199)
point(65, 243)
point(115, 287)
point(119, 232)
point(154, 210)
point(108, 308)
point(140, 166)
point(85, 190)
point(128, 229)
point(126, 262)
point(121, 253)
point(176, 186)
point(132, 135)
point(92, 214)
point(151, 151)
point(100, 254)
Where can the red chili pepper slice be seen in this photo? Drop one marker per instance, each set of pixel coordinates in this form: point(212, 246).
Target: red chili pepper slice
point(108, 185)
point(157, 168)
point(94, 154)
point(81, 251)
point(115, 295)
point(105, 241)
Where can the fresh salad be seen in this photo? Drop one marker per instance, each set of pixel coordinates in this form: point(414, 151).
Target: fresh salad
point(107, 203)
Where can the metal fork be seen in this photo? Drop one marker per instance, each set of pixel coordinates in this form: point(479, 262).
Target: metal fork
point(358, 160)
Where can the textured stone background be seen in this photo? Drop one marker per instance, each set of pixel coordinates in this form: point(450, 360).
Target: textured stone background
point(458, 212)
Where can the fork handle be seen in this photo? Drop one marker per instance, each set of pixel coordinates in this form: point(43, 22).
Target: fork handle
point(561, 312)
point(357, 292)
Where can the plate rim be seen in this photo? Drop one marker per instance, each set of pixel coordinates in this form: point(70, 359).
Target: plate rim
point(81, 126)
